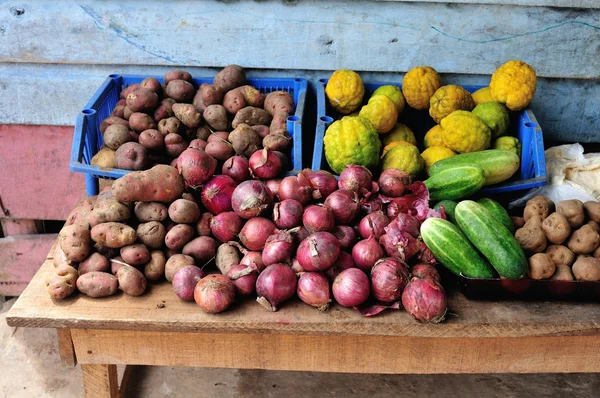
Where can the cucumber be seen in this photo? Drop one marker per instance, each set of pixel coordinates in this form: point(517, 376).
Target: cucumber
point(455, 182)
point(499, 212)
point(449, 206)
point(498, 165)
point(453, 249)
point(492, 239)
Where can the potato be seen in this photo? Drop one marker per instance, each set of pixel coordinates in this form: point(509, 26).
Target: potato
point(142, 100)
point(563, 273)
point(175, 145)
point(180, 90)
point(279, 124)
point(538, 205)
point(62, 282)
point(531, 237)
point(592, 210)
point(111, 210)
point(219, 150)
point(59, 258)
point(118, 111)
point(178, 236)
point(541, 266)
point(276, 142)
point(557, 228)
point(594, 225)
point(81, 213)
point(279, 102)
point(169, 125)
point(175, 263)
point(207, 95)
point(131, 281)
point(95, 262)
point(155, 268)
point(116, 264)
point(164, 110)
point(132, 156)
point(152, 140)
point(109, 121)
point(218, 136)
point(150, 211)
point(141, 121)
point(587, 269)
point(113, 234)
point(203, 132)
point(252, 96)
point(234, 101)
point(152, 234)
point(116, 135)
point(177, 75)
point(203, 225)
point(187, 114)
point(203, 249)
point(106, 251)
point(97, 284)
point(560, 255)
point(135, 254)
point(75, 242)
point(129, 89)
point(105, 159)
point(245, 141)
point(216, 116)
point(185, 280)
point(151, 83)
point(230, 77)
point(227, 256)
point(198, 144)
point(161, 183)
point(573, 212)
point(597, 252)
point(261, 130)
point(127, 114)
point(585, 240)
point(251, 116)
point(183, 211)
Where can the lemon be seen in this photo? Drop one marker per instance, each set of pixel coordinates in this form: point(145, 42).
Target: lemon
point(394, 93)
point(495, 116)
point(392, 145)
point(464, 132)
point(435, 153)
point(448, 99)
point(508, 144)
point(400, 132)
point(345, 91)
point(381, 112)
point(404, 157)
point(433, 137)
point(351, 140)
point(418, 86)
point(513, 84)
point(482, 95)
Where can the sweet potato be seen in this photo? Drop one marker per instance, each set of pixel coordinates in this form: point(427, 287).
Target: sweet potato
point(177, 74)
point(279, 102)
point(183, 211)
point(245, 141)
point(251, 116)
point(187, 114)
point(203, 224)
point(113, 234)
point(131, 281)
point(557, 228)
point(129, 89)
point(560, 255)
point(592, 210)
point(541, 266)
point(538, 205)
point(178, 236)
point(97, 284)
point(95, 262)
point(180, 90)
point(75, 242)
point(116, 135)
point(169, 125)
point(164, 110)
point(216, 116)
point(220, 150)
point(152, 234)
point(202, 248)
point(135, 254)
point(62, 282)
point(161, 183)
point(141, 121)
point(531, 237)
point(573, 212)
point(584, 240)
point(132, 156)
point(151, 83)
point(111, 210)
point(152, 140)
point(563, 273)
point(277, 142)
point(227, 256)
point(230, 77)
point(175, 263)
point(587, 269)
point(155, 268)
point(81, 213)
point(109, 121)
point(142, 100)
point(150, 211)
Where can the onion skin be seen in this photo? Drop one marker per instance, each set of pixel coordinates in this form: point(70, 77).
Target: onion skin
point(323, 183)
point(255, 232)
point(366, 253)
point(318, 251)
point(216, 194)
point(273, 185)
point(392, 182)
point(343, 262)
point(318, 218)
point(226, 226)
point(356, 178)
point(185, 280)
point(279, 248)
point(244, 279)
point(373, 225)
point(351, 287)
point(296, 267)
point(214, 293)
point(195, 166)
point(372, 204)
point(236, 167)
point(254, 260)
point(344, 205)
point(425, 300)
point(265, 164)
point(346, 235)
point(313, 289)
point(388, 279)
point(425, 271)
point(300, 235)
point(288, 214)
point(276, 284)
point(251, 199)
point(293, 188)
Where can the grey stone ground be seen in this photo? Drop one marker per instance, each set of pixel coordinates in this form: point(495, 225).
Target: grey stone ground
point(30, 367)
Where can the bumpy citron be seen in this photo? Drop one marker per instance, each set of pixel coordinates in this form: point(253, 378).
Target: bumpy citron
point(381, 112)
point(394, 93)
point(513, 84)
point(508, 143)
point(405, 157)
point(391, 145)
point(495, 116)
point(418, 86)
point(433, 137)
point(482, 95)
point(464, 132)
point(400, 132)
point(345, 91)
point(435, 153)
point(351, 140)
point(448, 99)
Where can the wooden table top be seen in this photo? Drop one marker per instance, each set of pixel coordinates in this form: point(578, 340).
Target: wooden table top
point(160, 310)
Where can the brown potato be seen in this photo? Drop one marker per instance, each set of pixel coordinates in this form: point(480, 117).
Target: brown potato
point(95, 262)
point(230, 77)
point(203, 132)
point(169, 125)
point(140, 121)
point(187, 114)
point(175, 145)
point(538, 205)
point(164, 110)
point(276, 142)
point(252, 96)
point(150, 211)
point(245, 141)
point(587, 269)
point(563, 273)
point(97, 284)
point(111, 210)
point(180, 90)
point(573, 212)
point(142, 100)
point(131, 281)
point(592, 210)
point(531, 237)
point(113, 234)
point(183, 211)
point(585, 240)
point(177, 74)
point(557, 228)
point(152, 140)
point(208, 94)
point(132, 156)
point(116, 135)
point(118, 111)
point(251, 116)
point(560, 255)
point(203, 225)
point(226, 257)
point(152, 234)
point(106, 251)
point(594, 225)
point(234, 101)
point(541, 266)
point(151, 83)
point(105, 159)
point(109, 121)
point(175, 263)
point(135, 254)
point(597, 252)
point(216, 116)
point(161, 183)
point(62, 282)
point(279, 102)
point(75, 242)
point(178, 236)
point(261, 130)
point(127, 114)
point(155, 268)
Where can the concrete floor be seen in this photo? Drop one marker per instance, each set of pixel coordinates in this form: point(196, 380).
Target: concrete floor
point(30, 367)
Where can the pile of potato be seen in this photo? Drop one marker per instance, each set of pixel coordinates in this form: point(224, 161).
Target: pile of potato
point(563, 242)
point(154, 123)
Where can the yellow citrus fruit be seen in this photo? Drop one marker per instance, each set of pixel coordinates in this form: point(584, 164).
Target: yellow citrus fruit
point(435, 153)
point(345, 91)
point(464, 132)
point(351, 140)
point(482, 95)
point(391, 145)
point(495, 116)
point(418, 86)
point(433, 137)
point(381, 112)
point(394, 93)
point(508, 143)
point(400, 132)
point(405, 157)
point(513, 84)
point(448, 99)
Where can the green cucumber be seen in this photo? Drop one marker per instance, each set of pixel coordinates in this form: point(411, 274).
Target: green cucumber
point(449, 206)
point(498, 165)
point(492, 239)
point(455, 182)
point(499, 212)
point(453, 249)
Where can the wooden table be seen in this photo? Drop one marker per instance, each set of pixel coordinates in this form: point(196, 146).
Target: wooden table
point(159, 329)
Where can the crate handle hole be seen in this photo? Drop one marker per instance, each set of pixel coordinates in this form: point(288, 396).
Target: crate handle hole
point(114, 76)
point(298, 80)
point(531, 124)
point(293, 118)
point(326, 119)
point(88, 111)
point(324, 81)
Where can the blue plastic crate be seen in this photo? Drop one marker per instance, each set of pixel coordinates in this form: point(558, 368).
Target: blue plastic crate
point(87, 138)
point(524, 124)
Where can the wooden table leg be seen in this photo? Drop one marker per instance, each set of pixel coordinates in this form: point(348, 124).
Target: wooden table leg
point(100, 381)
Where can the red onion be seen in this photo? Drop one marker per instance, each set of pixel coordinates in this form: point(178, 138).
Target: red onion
point(393, 181)
point(425, 300)
point(216, 194)
point(297, 267)
point(318, 251)
point(318, 218)
point(285, 161)
point(344, 205)
point(251, 199)
point(274, 285)
point(214, 293)
point(273, 185)
point(372, 204)
point(195, 166)
point(388, 279)
point(185, 280)
point(255, 232)
point(236, 167)
point(313, 289)
point(288, 214)
point(254, 260)
point(425, 271)
point(400, 240)
point(346, 235)
point(295, 187)
point(226, 226)
point(244, 279)
point(366, 253)
point(351, 287)
point(203, 225)
point(279, 248)
point(356, 178)
point(373, 225)
point(343, 262)
point(323, 183)
point(264, 164)
point(300, 235)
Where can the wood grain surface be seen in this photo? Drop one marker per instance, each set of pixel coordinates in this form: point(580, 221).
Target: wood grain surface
point(100, 381)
